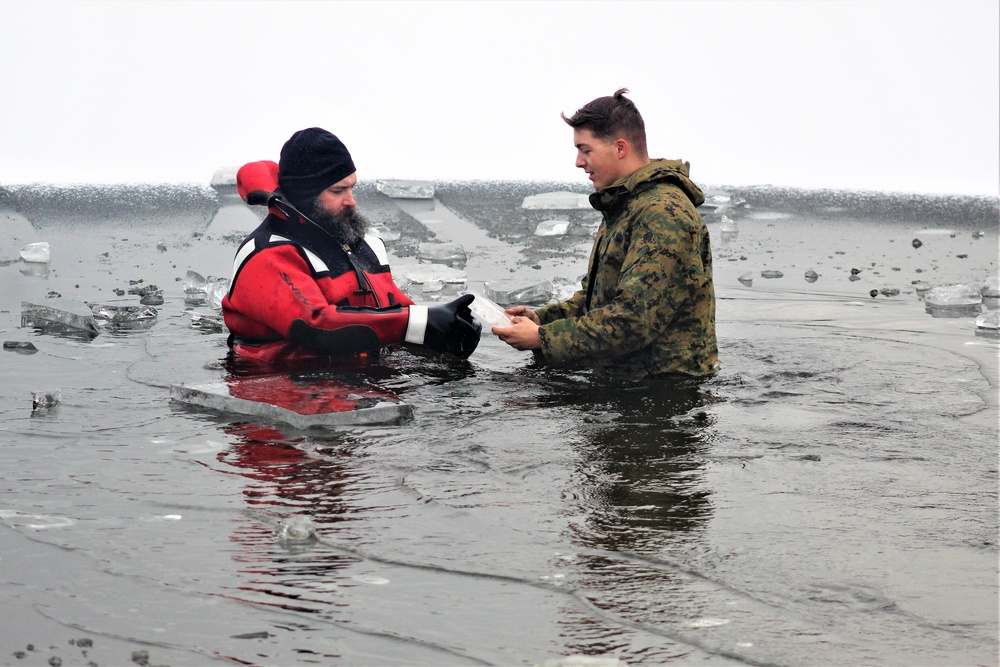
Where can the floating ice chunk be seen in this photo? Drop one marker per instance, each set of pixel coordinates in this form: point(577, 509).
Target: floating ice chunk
point(296, 529)
point(21, 347)
point(769, 273)
point(449, 254)
point(43, 400)
point(991, 287)
point(124, 318)
point(209, 322)
point(564, 288)
point(59, 316)
point(432, 286)
point(199, 290)
point(922, 287)
point(370, 579)
point(811, 276)
point(194, 281)
point(532, 295)
point(38, 253)
point(746, 279)
point(953, 301)
point(990, 292)
point(552, 228)
point(423, 273)
point(487, 312)
point(556, 201)
point(988, 324)
point(273, 398)
point(216, 291)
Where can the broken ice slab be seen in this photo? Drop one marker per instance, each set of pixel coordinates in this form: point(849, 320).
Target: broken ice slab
point(449, 254)
point(746, 279)
point(59, 316)
point(35, 269)
point(406, 189)
point(43, 400)
point(559, 201)
point(20, 346)
point(124, 318)
point(216, 291)
point(488, 313)
point(532, 295)
point(953, 301)
point(429, 273)
point(921, 287)
point(150, 295)
point(303, 403)
point(990, 292)
point(552, 228)
point(208, 322)
point(988, 324)
point(296, 530)
point(38, 253)
point(194, 281)
point(199, 290)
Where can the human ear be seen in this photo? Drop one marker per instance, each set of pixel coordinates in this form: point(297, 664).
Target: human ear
point(621, 148)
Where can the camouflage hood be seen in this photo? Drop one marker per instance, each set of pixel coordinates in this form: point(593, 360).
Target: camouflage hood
point(674, 172)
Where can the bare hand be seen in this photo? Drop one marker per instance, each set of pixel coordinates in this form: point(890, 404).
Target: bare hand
point(522, 334)
point(523, 311)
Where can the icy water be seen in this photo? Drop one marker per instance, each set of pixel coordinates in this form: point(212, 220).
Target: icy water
point(829, 498)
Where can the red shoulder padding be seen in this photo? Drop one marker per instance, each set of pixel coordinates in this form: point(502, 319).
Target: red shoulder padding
point(255, 181)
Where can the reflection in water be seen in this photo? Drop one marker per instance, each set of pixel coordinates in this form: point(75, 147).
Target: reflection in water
point(642, 497)
point(640, 475)
point(285, 481)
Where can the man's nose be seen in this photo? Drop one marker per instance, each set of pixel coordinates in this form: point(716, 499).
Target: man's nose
point(579, 162)
point(350, 200)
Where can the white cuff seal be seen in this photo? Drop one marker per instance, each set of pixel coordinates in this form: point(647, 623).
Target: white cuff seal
point(417, 325)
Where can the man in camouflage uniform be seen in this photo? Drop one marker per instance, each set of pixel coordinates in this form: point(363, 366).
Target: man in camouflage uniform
point(647, 306)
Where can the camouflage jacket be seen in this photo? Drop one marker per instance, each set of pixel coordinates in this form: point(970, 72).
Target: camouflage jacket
point(647, 306)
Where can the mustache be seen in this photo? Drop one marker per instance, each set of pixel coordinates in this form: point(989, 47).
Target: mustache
point(349, 226)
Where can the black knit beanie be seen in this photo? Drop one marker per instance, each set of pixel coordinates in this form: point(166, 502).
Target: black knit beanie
point(311, 161)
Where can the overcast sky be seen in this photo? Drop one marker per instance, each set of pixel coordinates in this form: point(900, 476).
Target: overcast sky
point(879, 95)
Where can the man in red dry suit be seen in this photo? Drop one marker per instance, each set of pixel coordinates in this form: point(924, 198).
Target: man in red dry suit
point(310, 283)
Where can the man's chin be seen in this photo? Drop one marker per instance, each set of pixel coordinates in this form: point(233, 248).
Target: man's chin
point(346, 228)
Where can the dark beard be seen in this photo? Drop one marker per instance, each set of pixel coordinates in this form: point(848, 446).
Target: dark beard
point(347, 228)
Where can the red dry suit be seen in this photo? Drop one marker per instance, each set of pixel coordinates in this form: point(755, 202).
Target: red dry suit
point(296, 294)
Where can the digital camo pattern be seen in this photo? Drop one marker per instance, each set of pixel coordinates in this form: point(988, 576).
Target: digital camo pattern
point(651, 307)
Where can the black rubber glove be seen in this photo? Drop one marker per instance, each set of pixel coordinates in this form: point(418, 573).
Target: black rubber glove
point(451, 328)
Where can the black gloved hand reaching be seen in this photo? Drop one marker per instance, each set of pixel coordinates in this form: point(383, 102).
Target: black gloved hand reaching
point(452, 329)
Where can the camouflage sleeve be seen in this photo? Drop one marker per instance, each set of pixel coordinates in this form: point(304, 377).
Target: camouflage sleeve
point(637, 305)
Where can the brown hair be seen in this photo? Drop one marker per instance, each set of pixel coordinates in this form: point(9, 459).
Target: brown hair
point(612, 117)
